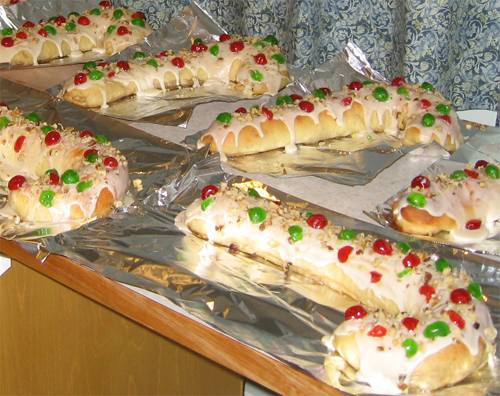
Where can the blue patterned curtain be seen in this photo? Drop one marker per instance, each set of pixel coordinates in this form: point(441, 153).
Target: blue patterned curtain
point(454, 44)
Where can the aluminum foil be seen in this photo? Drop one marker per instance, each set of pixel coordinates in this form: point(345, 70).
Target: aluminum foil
point(346, 160)
point(484, 145)
point(152, 161)
point(15, 15)
point(275, 311)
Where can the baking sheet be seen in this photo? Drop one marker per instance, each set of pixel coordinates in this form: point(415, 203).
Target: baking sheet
point(152, 161)
point(280, 314)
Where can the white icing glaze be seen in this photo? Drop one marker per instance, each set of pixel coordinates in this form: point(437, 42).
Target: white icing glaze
point(396, 116)
point(462, 200)
point(68, 42)
point(227, 223)
point(35, 157)
point(204, 68)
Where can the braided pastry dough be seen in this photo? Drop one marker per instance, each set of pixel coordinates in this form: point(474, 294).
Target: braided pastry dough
point(56, 175)
point(418, 312)
point(415, 114)
point(250, 65)
point(103, 30)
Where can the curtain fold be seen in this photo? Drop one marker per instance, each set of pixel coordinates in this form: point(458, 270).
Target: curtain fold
point(453, 44)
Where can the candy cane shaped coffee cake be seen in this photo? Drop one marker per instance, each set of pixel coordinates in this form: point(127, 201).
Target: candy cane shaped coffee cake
point(415, 114)
point(55, 174)
point(422, 324)
point(251, 65)
point(104, 29)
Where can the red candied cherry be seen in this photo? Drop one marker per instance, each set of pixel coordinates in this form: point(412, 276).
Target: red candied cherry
point(355, 312)
point(16, 182)
point(199, 47)
point(269, 114)
point(241, 110)
point(446, 118)
point(474, 224)
point(178, 62)
point(318, 221)
point(346, 101)
point(377, 331)
point(139, 14)
point(21, 35)
point(28, 24)
point(424, 104)
point(123, 65)
point(41, 22)
point(105, 4)
point(481, 164)
point(83, 20)
point(162, 54)
point(18, 145)
point(224, 37)
point(420, 182)
point(383, 247)
point(326, 91)
point(375, 277)
point(52, 138)
point(472, 174)
point(59, 20)
point(344, 253)
point(456, 318)
point(54, 178)
point(80, 78)
point(208, 190)
point(398, 81)
point(14, 2)
point(460, 296)
point(122, 31)
point(5, 105)
point(428, 291)
point(111, 74)
point(237, 46)
point(43, 33)
point(295, 97)
point(260, 59)
point(410, 323)
point(411, 261)
point(308, 107)
point(355, 86)
point(110, 162)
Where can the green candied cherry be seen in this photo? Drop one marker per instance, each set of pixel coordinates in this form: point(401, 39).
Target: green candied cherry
point(253, 193)
point(46, 129)
point(416, 200)
point(198, 41)
point(95, 11)
point(50, 30)
point(411, 347)
point(70, 26)
point(259, 44)
point(441, 263)
point(296, 233)
point(7, 32)
point(117, 14)
point(33, 117)
point(225, 118)
point(206, 203)
point(284, 99)
point(475, 290)
point(74, 13)
point(381, 94)
point(458, 175)
point(111, 29)
point(368, 83)
point(404, 247)
point(271, 40)
point(92, 158)
point(403, 91)
point(214, 50)
point(428, 120)
point(4, 121)
point(47, 198)
point(437, 329)
point(83, 185)
point(70, 176)
point(406, 271)
point(139, 55)
point(347, 235)
point(428, 86)
point(492, 171)
point(443, 108)
point(139, 22)
point(256, 75)
point(96, 75)
point(257, 214)
point(279, 58)
point(318, 93)
point(101, 139)
point(153, 63)
point(89, 65)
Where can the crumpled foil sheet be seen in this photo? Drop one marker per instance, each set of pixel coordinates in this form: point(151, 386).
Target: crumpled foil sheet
point(278, 313)
point(484, 145)
point(345, 161)
point(15, 15)
point(152, 160)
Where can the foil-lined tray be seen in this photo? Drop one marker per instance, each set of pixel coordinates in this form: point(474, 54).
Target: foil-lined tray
point(348, 161)
point(264, 307)
point(153, 162)
point(483, 145)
